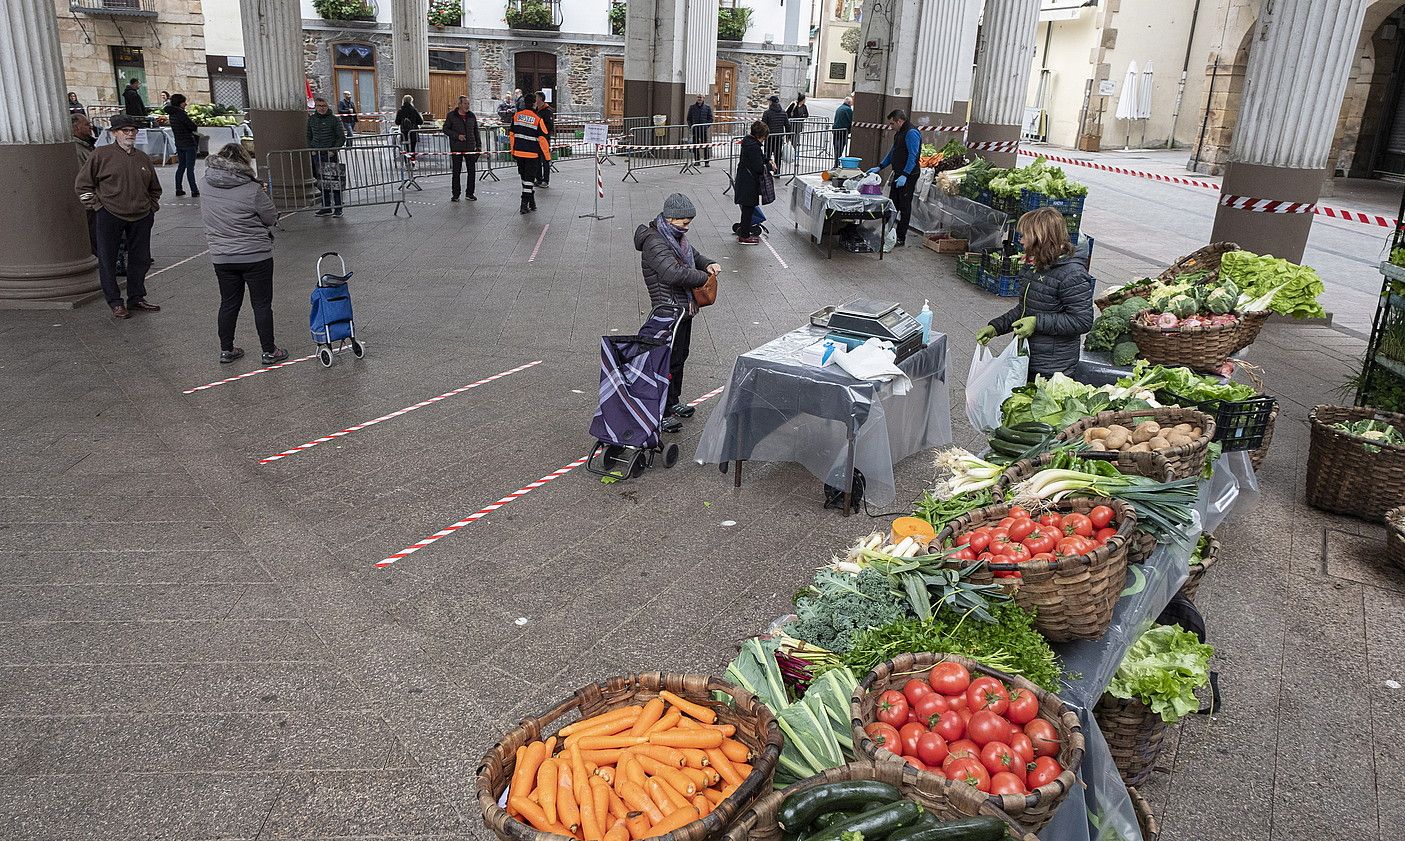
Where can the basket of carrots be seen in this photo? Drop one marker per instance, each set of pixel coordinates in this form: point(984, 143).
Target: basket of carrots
point(641, 756)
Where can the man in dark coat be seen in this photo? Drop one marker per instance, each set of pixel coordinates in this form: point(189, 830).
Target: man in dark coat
point(133, 104)
point(843, 124)
point(326, 134)
point(187, 136)
point(346, 110)
point(778, 124)
point(461, 125)
point(700, 121)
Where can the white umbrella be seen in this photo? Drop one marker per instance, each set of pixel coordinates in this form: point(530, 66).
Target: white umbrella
point(1127, 104)
point(1144, 94)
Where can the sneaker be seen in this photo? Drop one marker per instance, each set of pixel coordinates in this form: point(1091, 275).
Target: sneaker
point(326, 211)
point(195, 194)
point(453, 198)
point(180, 193)
point(749, 240)
point(472, 197)
point(670, 424)
point(336, 214)
point(278, 354)
point(228, 356)
point(682, 410)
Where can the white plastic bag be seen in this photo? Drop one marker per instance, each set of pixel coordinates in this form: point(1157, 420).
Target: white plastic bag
point(871, 179)
point(991, 380)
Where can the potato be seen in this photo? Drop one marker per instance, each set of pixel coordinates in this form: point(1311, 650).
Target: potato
point(1183, 428)
point(1117, 427)
point(1194, 432)
point(1094, 434)
point(1178, 439)
point(1141, 433)
point(1116, 439)
point(1159, 443)
point(1097, 446)
point(1140, 448)
point(1151, 426)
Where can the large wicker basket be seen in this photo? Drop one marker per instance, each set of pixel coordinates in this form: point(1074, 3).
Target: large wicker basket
point(1033, 810)
point(1250, 325)
point(1257, 457)
point(1198, 348)
point(1395, 536)
point(1207, 258)
point(1146, 818)
point(1342, 476)
point(1134, 736)
point(756, 728)
point(1184, 461)
point(1072, 597)
point(1197, 571)
point(946, 800)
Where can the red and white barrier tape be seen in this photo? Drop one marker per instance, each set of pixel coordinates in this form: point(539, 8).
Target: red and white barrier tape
point(767, 240)
point(994, 146)
point(389, 560)
point(1118, 170)
point(395, 414)
point(245, 375)
point(599, 181)
point(940, 129)
point(1266, 205)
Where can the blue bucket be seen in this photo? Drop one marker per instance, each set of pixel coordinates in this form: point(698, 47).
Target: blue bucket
point(849, 163)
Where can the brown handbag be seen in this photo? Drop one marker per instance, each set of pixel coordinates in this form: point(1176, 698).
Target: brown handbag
point(706, 295)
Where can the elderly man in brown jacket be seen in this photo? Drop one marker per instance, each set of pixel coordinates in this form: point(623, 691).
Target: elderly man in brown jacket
point(119, 183)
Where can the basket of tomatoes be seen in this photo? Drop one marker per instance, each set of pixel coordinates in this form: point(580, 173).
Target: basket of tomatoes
point(965, 724)
point(1066, 564)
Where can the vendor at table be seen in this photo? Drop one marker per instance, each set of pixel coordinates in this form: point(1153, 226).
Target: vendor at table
point(907, 142)
point(1056, 307)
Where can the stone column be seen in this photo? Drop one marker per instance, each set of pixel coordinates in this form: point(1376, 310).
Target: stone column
point(409, 31)
point(273, 58)
point(45, 257)
point(1003, 60)
point(1300, 58)
point(882, 75)
point(655, 51)
point(941, 78)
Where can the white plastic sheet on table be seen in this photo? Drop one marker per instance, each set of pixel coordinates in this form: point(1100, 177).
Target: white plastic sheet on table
point(776, 408)
point(812, 201)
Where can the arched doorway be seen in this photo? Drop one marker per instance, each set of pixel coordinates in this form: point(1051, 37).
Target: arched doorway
point(1372, 131)
point(535, 71)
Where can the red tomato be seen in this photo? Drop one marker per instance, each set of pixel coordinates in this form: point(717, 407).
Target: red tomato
point(965, 747)
point(1104, 535)
point(1024, 707)
point(964, 554)
point(999, 537)
point(1021, 528)
point(1101, 515)
point(970, 772)
point(1018, 513)
point(987, 693)
point(915, 690)
point(884, 736)
point(1022, 746)
point(1044, 737)
point(1005, 523)
point(908, 735)
point(1017, 553)
point(932, 749)
point(985, 557)
point(965, 714)
point(949, 678)
point(1074, 546)
point(987, 727)
point(980, 539)
point(1045, 770)
point(998, 756)
point(1039, 541)
point(1006, 783)
point(962, 539)
point(1052, 520)
point(917, 763)
point(930, 708)
point(1078, 524)
point(958, 701)
point(1044, 556)
point(892, 708)
point(950, 726)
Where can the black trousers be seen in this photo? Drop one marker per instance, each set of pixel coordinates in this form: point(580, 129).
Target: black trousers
point(185, 165)
point(458, 162)
point(111, 230)
point(233, 277)
point(841, 139)
point(545, 176)
point(529, 170)
point(748, 226)
point(700, 135)
point(681, 340)
point(902, 197)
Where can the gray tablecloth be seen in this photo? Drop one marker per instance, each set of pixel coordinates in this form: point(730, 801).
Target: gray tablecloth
point(812, 201)
point(777, 408)
point(156, 143)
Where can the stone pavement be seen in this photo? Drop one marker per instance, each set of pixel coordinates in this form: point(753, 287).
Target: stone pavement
point(197, 645)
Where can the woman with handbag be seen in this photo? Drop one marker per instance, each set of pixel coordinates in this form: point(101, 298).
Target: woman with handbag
point(749, 184)
point(676, 275)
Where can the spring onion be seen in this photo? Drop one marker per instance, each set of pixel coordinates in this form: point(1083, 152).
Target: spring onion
point(967, 473)
point(1163, 508)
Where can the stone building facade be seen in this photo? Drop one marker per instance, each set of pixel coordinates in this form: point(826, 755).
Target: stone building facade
point(164, 50)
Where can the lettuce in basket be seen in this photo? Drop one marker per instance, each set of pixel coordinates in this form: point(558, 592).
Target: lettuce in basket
point(1162, 669)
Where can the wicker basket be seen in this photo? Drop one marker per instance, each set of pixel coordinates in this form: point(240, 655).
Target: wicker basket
point(1343, 477)
point(1146, 818)
point(1198, 348)
point(1197, 571)
point(1184, 461)
point(1250, 325)
point(1205, 258)
point(1395, 536)
point(756, 728)
point(1257, 456)
point(946, 800)
point(1134, 735)
point(1033, 809)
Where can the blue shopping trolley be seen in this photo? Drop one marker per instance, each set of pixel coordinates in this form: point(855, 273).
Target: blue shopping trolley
point(330, 319)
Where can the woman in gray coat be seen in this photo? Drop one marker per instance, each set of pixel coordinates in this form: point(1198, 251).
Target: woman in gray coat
point(239, 218)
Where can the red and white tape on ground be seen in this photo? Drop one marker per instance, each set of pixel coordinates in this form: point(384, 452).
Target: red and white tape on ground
point(254, 373)
point(390, 560)
point(767, 240)
point(1118, 170)
point(395, 414)
point(538, 246)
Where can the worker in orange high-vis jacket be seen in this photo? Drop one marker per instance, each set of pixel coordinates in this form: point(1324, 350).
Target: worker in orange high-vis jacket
point(528, 136)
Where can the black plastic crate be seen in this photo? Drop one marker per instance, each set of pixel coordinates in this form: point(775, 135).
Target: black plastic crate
point(1239, 424)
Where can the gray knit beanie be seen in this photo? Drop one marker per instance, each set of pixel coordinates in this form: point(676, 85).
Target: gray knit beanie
point(679, 206)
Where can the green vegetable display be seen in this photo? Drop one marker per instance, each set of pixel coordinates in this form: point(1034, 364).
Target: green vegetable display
point(1185, 387)
point(1372, 430)
point(1298, 287)
point(1039, 177)
point(838, 606)
point(1057, 401)
point(1162, 669)
point(939, 512)
point(1125, 353)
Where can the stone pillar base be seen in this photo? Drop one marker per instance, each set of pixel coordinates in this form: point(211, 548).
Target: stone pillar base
point(45, 256)
point(289, 176)
point(872, 144)
point(988, 133)
point(421, 96)
point(644, 98)
point(1280, 234)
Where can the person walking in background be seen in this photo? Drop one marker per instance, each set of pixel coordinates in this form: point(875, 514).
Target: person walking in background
point(797, 112)
point(83, 145)
point(239, 217)
point(325, 134)
point(752, 165)
point(528, 138)
point(520, 102)
point(409, 119)
point(506, 108)
point(777, 125)
point(119, 183)
point(700, 122)
point(672, 270)
point(907, 142)
point(461, 125)
point(187, 142)
point(132, 103)
point(548, 115)
point(346, 110)
point(74, 106)
point(843, 124)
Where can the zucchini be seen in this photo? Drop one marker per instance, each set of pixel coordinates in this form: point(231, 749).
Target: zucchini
point(829, 819)
point(1008, 448)
point(800, 809)
point(1016, 436)
point(966, 829)
point(1035, 426)
point(875, 825)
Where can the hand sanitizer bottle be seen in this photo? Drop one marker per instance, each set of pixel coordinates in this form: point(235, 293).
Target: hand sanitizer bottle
point(924, 318)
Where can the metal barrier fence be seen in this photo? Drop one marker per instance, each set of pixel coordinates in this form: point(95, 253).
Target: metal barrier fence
point(801, 153)
point(686, 147)
point(330, 180)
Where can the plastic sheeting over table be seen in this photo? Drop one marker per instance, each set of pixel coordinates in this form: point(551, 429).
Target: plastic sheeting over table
point(812, 201)
point(777, 408)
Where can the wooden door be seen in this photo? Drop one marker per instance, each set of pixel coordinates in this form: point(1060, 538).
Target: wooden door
point(726, 86)
point(444, 92)
point(614, 90)
point(535, 71)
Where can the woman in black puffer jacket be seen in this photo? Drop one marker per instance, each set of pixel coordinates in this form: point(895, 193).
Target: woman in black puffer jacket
point(747, 183)
point(1056, 307)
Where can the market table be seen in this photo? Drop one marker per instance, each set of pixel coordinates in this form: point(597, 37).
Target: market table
point(816, 203)
point(778, 408)
point(158, 143)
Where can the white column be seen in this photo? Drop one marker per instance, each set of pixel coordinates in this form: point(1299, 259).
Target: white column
point(1003, 60)
point(45, 256)
point(409, 28)
point(700, 65)
point(945, 47)
point(273, 55)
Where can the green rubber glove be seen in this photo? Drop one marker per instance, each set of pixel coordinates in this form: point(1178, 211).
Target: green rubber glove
point(985, 334)
point(1023, 327)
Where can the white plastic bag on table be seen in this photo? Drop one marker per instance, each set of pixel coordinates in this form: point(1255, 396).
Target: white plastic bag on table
point(871, 179)
point(991, 379)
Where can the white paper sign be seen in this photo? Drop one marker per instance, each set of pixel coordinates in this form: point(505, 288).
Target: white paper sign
point(597, 133)
point(1107, 87)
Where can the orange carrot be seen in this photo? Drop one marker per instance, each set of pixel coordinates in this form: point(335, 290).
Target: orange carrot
point(668, 722)
point(618, 741)
point(668, 756)
point(663, 796)
point(694, 757)
point(700, 780)
point(714, 796)
point(580, 778)
point(600, 757)
point(703, 805)
point(638, 824)
point(677, 820)
point(706, 715)
point(517, 767)
point(653, 711)
point(638, 800)
point(605, 773)
point(617, 807)
point(617, 832)
point(599, 719)
point(735, 751)
point(526, 773)
point(702, 739)
point(609, 728)
point(729, 789)
point(724, 767)
point(590, 827)
point(636, 772)
point(713, 778)
point(674, 777)
point(742, 768)
point(599, 794)
point(567, 810)
point(727, 730)
point(535, 816)
point(548, 778)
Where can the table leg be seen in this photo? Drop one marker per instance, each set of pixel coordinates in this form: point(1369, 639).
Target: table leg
point(737, 474)
point(882, 236)
point(849, 477)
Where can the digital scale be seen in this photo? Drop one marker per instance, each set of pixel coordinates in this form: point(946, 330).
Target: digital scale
point(858, 321)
